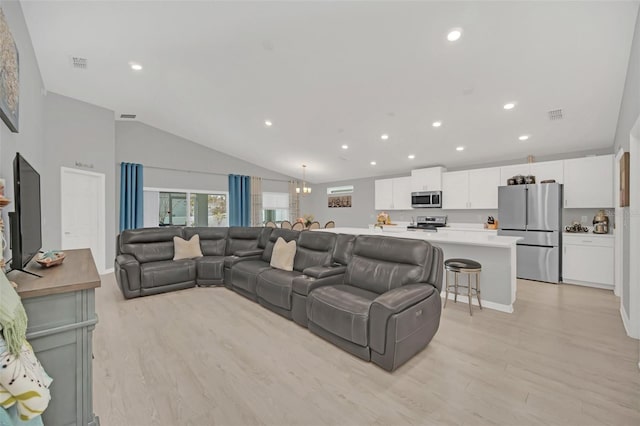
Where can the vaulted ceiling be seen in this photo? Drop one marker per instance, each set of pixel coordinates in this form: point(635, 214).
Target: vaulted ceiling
point(333, 73)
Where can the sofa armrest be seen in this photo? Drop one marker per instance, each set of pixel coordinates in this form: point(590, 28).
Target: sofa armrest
point(390, 303)
point(229, 261)
point(127, 272)
point(305, 284)
point(246, 253)
point(324, 271)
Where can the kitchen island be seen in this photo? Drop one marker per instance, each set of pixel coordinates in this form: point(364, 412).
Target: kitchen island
point(497, 254)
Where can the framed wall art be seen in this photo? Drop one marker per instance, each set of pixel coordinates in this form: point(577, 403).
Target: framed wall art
point(339, 201)
point(9, 77)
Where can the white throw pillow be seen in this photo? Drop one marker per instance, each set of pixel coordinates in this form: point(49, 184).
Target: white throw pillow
point(184, 249)
point(283, 254)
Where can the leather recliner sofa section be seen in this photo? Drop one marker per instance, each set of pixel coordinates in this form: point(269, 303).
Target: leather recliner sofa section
point(387, 307)
point(144, 263)
point(376, 297)
point(274, 286)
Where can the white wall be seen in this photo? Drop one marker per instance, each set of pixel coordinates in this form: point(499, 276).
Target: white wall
point(629, 113)
point(30, 139)
point(139, 143)
point(78, 132)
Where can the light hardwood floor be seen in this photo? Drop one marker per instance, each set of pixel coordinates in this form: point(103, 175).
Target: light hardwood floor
point(208, 356)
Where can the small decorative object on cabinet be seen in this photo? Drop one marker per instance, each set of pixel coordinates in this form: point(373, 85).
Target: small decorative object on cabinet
point(50, 258)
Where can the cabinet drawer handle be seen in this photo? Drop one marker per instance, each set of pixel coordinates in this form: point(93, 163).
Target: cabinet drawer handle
point(587, 241)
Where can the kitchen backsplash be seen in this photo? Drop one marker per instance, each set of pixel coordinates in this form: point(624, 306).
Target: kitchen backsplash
point(480, 216)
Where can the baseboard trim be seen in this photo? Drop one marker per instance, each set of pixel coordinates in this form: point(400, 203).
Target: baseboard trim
point(107, 271)
point(627, 324)
point(485, 303)
point(589, 284)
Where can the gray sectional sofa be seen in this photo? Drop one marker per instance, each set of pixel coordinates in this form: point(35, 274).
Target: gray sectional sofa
point(376, 297)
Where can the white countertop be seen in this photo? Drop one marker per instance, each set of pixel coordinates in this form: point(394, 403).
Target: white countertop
point(471, 238)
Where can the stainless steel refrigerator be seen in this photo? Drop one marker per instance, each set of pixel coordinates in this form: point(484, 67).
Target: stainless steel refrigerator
point(534, 212)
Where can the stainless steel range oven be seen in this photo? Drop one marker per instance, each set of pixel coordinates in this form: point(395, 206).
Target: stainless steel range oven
point(426, 199)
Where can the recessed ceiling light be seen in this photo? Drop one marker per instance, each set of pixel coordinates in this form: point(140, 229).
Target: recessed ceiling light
point(411, 156)
point(136, 67)
point(454, 34)
point(268, 123)
point(373, 163)
point(345, 146)
point(460, 148)
point(384, 137)
point(523, 137)
point(437, 123)
point(509, 105)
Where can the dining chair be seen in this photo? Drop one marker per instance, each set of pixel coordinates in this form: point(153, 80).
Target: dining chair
point(314, 225)
point(298, 226)
point(330, 224)
point(270, 224)
point(285, 224)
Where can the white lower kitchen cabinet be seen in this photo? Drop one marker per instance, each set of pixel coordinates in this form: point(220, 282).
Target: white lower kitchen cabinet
point(588, 260)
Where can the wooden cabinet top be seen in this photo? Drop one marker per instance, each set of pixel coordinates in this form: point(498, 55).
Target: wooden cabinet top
point(77, 272)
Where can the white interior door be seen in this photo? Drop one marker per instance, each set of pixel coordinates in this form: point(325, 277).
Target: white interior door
point(83, 212)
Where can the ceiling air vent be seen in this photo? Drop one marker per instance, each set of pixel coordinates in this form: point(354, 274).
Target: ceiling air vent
point(79, 63)
point(555, 114)
point(128, 116)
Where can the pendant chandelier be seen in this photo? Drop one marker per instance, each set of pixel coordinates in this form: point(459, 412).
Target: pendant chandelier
point(304, 190)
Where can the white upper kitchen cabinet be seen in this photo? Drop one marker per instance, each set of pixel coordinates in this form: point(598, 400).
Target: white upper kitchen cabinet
point(507, 172)
point(588, 182)
point(427, 179)
point(471, 189)
point(483, 188)
point(548, 170)
point(383, 194)
point(402, 193)
point(455, 190)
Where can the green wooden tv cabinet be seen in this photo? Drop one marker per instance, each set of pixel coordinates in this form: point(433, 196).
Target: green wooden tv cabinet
point(62, 317)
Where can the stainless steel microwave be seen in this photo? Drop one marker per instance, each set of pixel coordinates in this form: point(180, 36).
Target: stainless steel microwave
point(426, 199)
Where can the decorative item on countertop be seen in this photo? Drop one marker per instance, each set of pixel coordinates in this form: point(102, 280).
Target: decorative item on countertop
point(576, 227)
point(50, 258)
point(384, 218)
point(511, 181)
point(519, 179)
point(492, 223)
point(601, 223)
point(548, 181)
point(529, 179)
point(305, 219)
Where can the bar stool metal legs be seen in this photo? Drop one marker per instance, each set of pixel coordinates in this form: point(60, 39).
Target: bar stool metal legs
point(463, 266)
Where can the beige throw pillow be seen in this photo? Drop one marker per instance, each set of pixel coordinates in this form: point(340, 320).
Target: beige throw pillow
point(184, 249)
point(283, 254)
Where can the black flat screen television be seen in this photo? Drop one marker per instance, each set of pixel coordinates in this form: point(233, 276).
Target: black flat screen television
point(25, 221)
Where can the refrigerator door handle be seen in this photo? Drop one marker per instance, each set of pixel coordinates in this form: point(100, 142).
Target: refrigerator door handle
point(526, 209)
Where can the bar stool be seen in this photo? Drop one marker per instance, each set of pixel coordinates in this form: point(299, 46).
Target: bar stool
point(463, 266)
